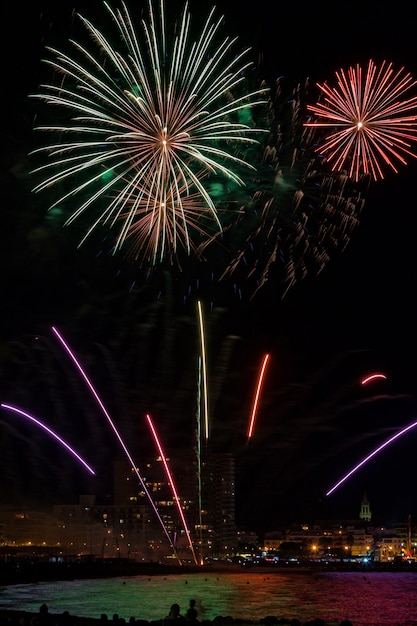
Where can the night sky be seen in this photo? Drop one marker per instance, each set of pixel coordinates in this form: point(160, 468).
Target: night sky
point(138, 335)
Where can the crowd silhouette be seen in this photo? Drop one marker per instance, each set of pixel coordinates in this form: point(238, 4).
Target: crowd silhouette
point(14, 617)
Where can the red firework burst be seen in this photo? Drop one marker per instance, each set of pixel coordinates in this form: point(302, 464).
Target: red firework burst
point(374, 117)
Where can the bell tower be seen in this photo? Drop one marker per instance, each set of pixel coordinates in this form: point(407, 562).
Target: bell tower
point(365, 513)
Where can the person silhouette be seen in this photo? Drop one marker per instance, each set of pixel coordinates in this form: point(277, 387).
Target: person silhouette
point(44, 618)
point(191, 614)
point(174, 614)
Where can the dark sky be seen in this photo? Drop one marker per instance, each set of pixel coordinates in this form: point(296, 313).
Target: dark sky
point(357, 316)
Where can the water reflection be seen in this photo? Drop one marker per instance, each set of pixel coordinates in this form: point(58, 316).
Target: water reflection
point(377, 598)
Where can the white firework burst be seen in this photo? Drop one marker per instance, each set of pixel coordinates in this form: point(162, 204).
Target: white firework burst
point(148, 123)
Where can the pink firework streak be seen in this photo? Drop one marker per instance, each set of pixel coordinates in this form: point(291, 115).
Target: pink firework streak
point(116, 432)
point(171, 480)
point(50, 432)
point(370, 456)
point(257, 395)
point(372, 377)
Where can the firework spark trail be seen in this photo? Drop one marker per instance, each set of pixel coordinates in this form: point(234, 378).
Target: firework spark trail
point(300, 213)
point(370, 456)
point(372, 377)
point(50, 432)
point(204, 364)
point(116, 432)
point(171, 480)
point(145, 141)
point(198, 453)
point(374, 125)
point(257, 395)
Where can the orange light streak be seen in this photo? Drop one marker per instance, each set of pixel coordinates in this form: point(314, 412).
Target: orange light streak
point(257, 395)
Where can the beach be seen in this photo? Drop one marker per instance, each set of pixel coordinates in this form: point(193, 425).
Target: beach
point(296, 597)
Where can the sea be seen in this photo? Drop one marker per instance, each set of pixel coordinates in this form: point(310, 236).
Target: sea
point(365, 598)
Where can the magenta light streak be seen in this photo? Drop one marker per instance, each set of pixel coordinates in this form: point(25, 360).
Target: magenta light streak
point(368, 379)
point(50, 432)
point(367, 458)
point(171, 480)
point(116, 432)
point(257, 395)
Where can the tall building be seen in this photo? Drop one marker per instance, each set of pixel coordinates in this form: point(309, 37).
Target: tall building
point(206, 493)
point(218, 498)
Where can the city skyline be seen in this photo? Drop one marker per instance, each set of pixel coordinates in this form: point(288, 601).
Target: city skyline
point(356, 317)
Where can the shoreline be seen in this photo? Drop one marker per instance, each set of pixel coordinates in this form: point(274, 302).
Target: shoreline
point(27, 571)
point(15, 617)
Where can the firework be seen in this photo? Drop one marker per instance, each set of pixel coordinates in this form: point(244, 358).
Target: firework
point(372, 377)
point(116, 432)
point(204, 366)
point(257, 395)
point(50, 432)
point(297, 214)
point(198, 460)
point(171, 482)
point(372, 117)
point(386, 443)
point(153, 124)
